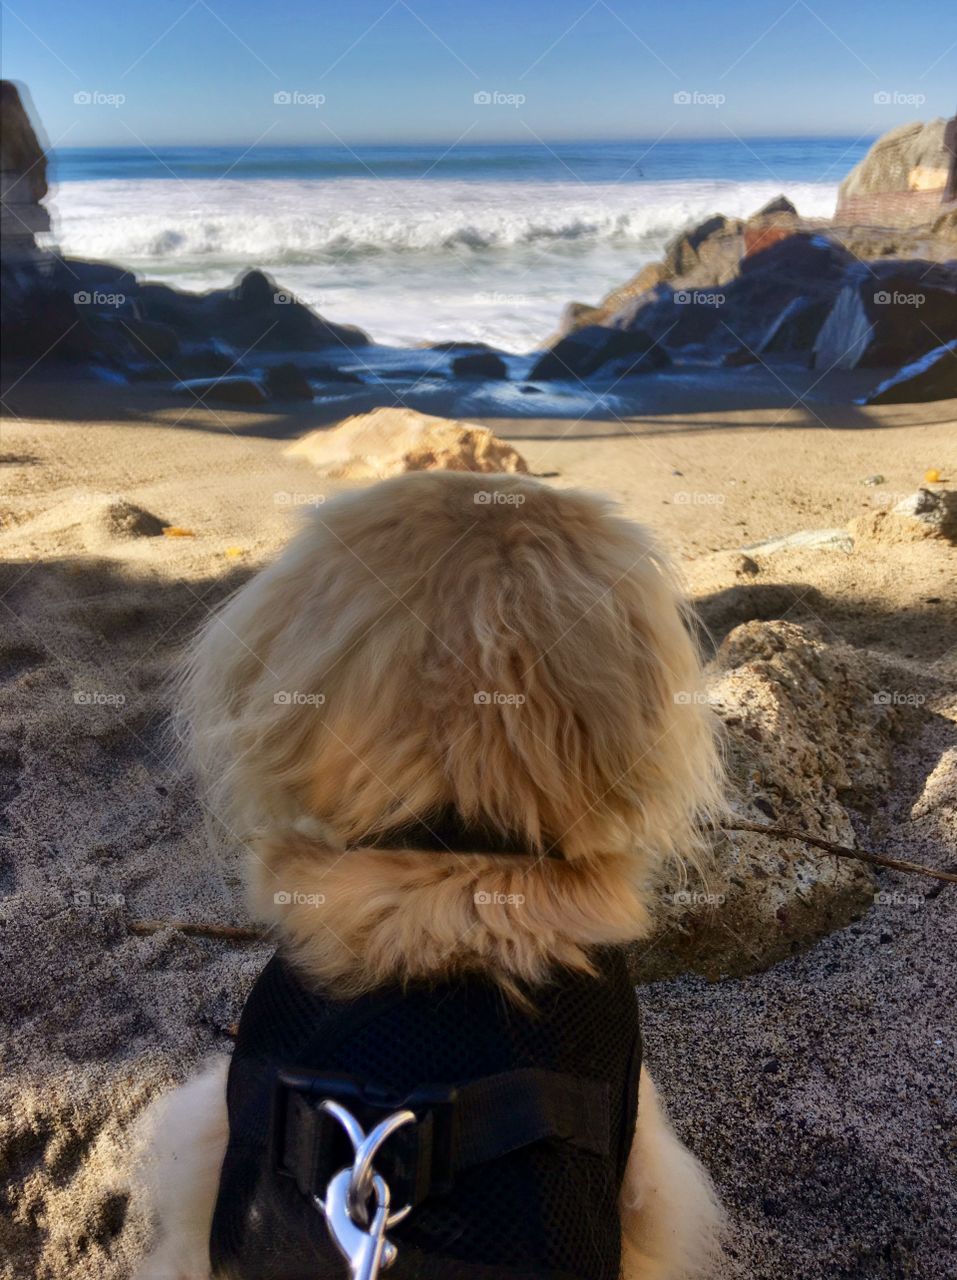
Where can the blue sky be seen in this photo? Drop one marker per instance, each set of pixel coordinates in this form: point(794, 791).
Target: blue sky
point(126, 72)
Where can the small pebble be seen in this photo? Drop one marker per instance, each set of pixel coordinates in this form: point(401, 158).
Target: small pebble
point(875, 480)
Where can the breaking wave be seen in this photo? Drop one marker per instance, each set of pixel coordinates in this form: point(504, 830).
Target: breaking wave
point(289, 221)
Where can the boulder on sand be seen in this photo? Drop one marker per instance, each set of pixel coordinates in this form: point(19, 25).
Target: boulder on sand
point(387, 442)
point(809, 735)
point(480, 364)
point(286, 381)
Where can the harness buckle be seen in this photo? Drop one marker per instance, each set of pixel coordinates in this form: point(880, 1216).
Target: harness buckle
point(310, 1145)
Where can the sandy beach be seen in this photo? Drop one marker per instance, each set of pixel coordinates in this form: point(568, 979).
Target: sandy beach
point(819, 1093)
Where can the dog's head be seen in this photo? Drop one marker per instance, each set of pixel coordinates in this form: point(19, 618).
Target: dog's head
point(448, 642)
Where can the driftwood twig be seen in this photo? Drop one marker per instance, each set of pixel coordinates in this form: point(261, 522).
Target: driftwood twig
point(840, 850)
point(196, 929)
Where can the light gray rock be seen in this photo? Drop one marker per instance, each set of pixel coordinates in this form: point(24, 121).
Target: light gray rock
point(896, 159)
point(809, 737)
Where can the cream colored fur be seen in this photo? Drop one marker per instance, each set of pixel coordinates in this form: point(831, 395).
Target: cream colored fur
point(479, 642)
point(671, 1222)
point(185, 1137)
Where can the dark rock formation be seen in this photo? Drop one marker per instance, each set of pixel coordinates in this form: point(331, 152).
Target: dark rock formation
point(255, 313)
point(287, 381)
point(932, 377)
point(780, 204)
point(751, 309)
point(585, 352)
point(480, 364)
point(889, 313)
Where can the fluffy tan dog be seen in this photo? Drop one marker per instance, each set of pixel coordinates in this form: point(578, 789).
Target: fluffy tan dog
point(483, 645)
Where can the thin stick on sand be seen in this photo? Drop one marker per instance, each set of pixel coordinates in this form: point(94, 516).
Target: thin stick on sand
point(197, 929)
point(840, 850)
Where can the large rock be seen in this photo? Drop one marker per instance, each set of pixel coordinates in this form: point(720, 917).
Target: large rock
point(714, 322)
point(23, 183)
point(776, 221)
point(931, 377)
point(889, 313)
point(707, 252)
point(810, 733)
point(387, 442)
point(286, 381)
point(585, 351)
point(480, 364)
point(911, 157)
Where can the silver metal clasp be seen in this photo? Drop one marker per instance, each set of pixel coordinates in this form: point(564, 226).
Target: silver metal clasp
point(357, 1203)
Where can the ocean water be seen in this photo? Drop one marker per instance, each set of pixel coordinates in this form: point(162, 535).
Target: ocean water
point(424, 244)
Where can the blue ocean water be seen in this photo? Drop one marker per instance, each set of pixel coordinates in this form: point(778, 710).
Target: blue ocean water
point(424, 243)
point(733, 160)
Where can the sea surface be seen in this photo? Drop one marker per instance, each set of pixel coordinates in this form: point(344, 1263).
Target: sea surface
point(425, 244)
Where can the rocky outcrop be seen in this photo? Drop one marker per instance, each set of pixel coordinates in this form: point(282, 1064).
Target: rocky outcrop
point(932, 377)
point(779, 285)
point(89, 313)
point(810, 734)
point(256, 310)
point(903, 179)
point(911, 157)
point(387, 442)
point(23, 183)
point(754, 308)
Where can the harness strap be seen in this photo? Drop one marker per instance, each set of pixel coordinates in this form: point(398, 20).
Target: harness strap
point(455, 1129)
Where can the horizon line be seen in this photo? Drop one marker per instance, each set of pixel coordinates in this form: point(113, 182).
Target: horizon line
point(470, 146)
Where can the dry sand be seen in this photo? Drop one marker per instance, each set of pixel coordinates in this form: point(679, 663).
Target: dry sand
point(820, 1094)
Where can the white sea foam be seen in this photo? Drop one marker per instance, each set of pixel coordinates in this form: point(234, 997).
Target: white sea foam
point(409, 260)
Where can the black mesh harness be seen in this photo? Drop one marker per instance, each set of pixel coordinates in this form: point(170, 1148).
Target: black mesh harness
point(523, 1122)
